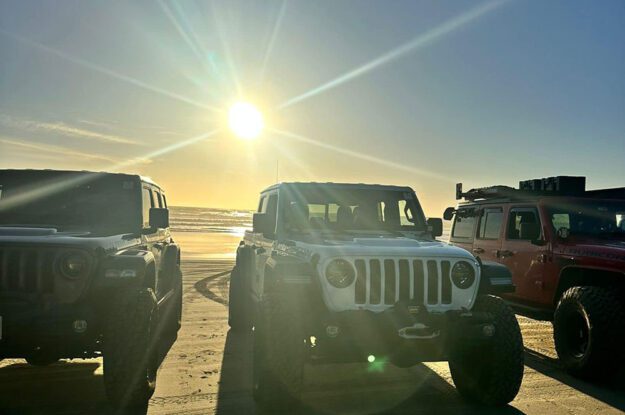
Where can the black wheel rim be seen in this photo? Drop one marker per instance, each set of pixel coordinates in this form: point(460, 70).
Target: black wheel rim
point(577, 334)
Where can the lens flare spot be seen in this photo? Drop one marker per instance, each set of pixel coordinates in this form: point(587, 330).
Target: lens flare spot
point(245, 120)
point(371, 358)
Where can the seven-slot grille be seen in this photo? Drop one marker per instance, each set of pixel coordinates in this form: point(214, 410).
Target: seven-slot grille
point(26, 270)
point(386, 281)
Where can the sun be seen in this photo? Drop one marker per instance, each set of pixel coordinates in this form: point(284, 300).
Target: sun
point(245, 120)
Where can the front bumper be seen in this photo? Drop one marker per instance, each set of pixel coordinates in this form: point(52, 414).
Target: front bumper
point(404, 334)
point(64, 331)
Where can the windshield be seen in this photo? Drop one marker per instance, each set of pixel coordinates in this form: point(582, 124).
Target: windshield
point(592, 218)
point(349, 210)
point(94, 203)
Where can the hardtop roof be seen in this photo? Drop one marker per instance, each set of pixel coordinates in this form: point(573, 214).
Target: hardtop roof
point(53, 172)
point(343, 186)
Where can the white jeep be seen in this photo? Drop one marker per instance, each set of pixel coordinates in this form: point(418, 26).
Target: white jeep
point(352, 272)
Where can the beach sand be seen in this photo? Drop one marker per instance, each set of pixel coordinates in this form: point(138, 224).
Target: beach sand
point(208, 370)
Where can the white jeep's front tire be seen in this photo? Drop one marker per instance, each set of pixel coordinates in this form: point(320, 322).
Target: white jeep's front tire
point(491, 374)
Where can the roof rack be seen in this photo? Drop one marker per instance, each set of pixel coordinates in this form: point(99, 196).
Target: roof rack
point(573, 186)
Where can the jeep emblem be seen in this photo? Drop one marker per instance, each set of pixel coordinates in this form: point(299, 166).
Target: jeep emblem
point(414, 309)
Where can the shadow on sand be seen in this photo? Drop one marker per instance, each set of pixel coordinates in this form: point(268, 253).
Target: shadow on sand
point(61, 388)
point(611, 391)
point(351, 388)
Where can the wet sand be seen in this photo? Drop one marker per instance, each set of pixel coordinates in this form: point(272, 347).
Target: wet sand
point(208, 370)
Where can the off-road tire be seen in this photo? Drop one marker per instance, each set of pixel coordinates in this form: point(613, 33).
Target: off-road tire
point(131, 349)
point(239, 305)
point(41, 359)
point(597, 314)
point(491, 374)
point(280, 354)
point(176, 320)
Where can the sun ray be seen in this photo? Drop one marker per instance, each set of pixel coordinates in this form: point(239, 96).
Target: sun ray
point(272, 41)
point(109, 72)
point(227, 52)
point(172, 18)
point(164, 150)
point(361, 156)
point(416, 43)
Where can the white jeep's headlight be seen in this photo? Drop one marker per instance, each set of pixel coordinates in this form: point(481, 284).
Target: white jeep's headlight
point(74, 265)
point(340, 273)
point(463, 274)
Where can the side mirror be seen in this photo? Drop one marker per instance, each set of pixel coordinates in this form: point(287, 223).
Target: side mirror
point(435, 225)
point(262, 223)
point(449, 213)
point(159, 218)
point(529, 231)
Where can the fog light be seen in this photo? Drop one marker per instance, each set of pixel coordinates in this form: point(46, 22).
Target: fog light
point(332, 331)
point(80, 326)
point(488, 330)
point(371, 358)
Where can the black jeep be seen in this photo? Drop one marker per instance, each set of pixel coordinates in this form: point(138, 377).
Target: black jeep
point(88, 268)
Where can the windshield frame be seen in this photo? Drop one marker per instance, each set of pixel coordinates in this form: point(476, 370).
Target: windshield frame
point(569, 205)
point(285, 197)
point(110, 204)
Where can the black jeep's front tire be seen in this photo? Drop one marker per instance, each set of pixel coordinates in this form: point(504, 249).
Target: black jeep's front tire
point(491, 375)
point(131, 349)
point(239, 305)
point(279, 355)
point(588, 331)
point(41, 359)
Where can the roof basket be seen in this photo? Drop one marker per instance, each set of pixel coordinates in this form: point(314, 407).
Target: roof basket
point(548, 186)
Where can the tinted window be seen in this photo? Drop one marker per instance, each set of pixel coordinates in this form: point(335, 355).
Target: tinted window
point(517, 217)
point(464, 225)
point(490, 223)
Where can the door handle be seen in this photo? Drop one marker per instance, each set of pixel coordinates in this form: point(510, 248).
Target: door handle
point(478, 251)
point(504, 253)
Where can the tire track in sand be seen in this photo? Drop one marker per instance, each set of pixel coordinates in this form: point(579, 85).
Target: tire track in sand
point(207, 287)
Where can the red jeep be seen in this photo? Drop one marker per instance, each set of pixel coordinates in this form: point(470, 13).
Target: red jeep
point(565, 247)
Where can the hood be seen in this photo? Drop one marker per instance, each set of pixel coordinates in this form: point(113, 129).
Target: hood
point(382, 246)
point(36, 236)
point(599, 249)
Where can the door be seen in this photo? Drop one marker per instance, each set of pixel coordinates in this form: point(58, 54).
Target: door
point(463, 229)
point(487, 243)
point(525, 255)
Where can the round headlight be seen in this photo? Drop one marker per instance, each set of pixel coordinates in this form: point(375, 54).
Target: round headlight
point(74, 265)
point(463, 274)
point(340, 273)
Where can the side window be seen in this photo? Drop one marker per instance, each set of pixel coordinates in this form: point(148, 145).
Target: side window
point(159, 199)
point(490, 223)
point(405, 215)
point(464, 225)
point(561, 220)
point(519, 216)
point(148, 203)
point(262, 205)
point(164, 201)
point(272, 208)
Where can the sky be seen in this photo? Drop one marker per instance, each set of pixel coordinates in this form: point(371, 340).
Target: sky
point(418, 93)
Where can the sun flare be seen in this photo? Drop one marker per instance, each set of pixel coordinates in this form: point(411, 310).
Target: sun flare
point(245, 120)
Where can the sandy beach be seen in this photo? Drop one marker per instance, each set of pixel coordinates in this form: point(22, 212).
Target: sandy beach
point(208, 371)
